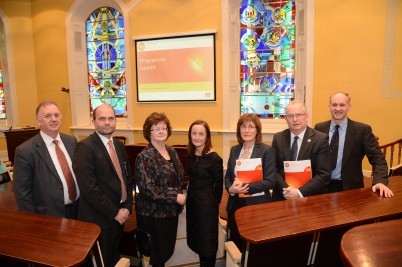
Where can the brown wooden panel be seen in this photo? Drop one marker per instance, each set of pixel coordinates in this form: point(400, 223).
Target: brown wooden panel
point(15, 138)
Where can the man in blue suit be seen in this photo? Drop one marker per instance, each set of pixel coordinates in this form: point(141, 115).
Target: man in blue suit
point(40, 184)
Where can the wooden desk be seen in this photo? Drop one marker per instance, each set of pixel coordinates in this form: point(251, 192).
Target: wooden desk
point(378, 244)
point(15, 138)
point(127, 244)
point(281, 220)
point(45, 240)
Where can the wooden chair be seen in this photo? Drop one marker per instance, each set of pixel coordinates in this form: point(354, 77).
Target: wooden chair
point(233, 255)
point(392, 153)
point(123, 262)
point(132, 152)
point(4, 173)
point(120, 137)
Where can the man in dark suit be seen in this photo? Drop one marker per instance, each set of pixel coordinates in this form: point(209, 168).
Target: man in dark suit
point(355, 141)
point(40, 184)
point(309, 145)
point(105, 182)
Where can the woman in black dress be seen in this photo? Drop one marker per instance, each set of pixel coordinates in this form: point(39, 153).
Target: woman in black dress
point(204, 193)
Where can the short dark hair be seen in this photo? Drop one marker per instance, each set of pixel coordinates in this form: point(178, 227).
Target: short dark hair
point(44, 104)
point(208, 141)
point(152, 119)
point(250, 117)
point(94, 112)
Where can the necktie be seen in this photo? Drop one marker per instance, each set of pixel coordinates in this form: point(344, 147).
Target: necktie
point(72, 191)
point(334, 146)
point(113, 157)
point(293, 150)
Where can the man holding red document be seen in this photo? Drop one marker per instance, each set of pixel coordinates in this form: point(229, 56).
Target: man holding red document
point(301, 143)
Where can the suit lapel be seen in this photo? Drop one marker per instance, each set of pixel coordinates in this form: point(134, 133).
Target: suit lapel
point(326, 127)
point(43, 153)
point(101, 147)
point(305, 145)
point(349, 141)
point(286, 144)
point(68, 145)
point(256, 151)
point(120, 156)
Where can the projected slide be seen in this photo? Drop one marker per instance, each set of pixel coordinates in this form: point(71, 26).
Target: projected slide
point(176, 69)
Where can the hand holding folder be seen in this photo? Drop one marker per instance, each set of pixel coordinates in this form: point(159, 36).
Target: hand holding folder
point(249, 171)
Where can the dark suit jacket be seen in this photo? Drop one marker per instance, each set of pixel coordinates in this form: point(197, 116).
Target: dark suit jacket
point(98, 181)
point(37, 185)
point(359, 142)
point(267, 156)
point(314, 147)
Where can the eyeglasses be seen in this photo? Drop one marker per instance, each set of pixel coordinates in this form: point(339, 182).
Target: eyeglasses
point(159, 129)
point(297, 116)
point(249, 127)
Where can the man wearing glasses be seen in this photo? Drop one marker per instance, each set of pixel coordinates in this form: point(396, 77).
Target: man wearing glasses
point(301, 142)
point(355, 140)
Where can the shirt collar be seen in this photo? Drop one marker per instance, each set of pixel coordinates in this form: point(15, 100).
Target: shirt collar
point(49, 140)
point(342, 125)
point(300, 135)
point(104, 139)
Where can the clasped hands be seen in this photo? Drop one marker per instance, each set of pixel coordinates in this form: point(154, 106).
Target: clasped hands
point(122, 216)
point(238, 187)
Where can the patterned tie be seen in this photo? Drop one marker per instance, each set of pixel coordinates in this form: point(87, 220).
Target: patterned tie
point(335, 146)
point(113, 157)
point(293, 150)
point(72, 190)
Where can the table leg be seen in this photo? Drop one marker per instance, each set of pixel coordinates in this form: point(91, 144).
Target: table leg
point(97, 260)
point(313, 249)
point(246, 254)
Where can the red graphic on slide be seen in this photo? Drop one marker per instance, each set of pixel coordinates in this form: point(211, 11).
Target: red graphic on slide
point(176, 65)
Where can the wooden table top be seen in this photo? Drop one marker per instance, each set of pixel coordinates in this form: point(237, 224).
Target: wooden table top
point(283, 219)
point(45, 240)
point(377, 244)
point(8, 202)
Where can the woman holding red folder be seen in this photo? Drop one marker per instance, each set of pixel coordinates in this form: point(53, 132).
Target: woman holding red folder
point(243, 194)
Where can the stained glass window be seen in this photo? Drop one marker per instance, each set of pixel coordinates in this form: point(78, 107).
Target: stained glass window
point(267, 56)
point(3, 114)
point(106, 59)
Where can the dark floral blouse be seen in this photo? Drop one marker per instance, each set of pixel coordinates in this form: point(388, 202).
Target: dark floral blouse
point(158, 181)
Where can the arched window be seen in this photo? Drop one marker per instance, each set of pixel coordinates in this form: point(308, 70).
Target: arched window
point(3, 114)
point(8, 114)
point(267, 56)
point(106, 59)
point(301, 53)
